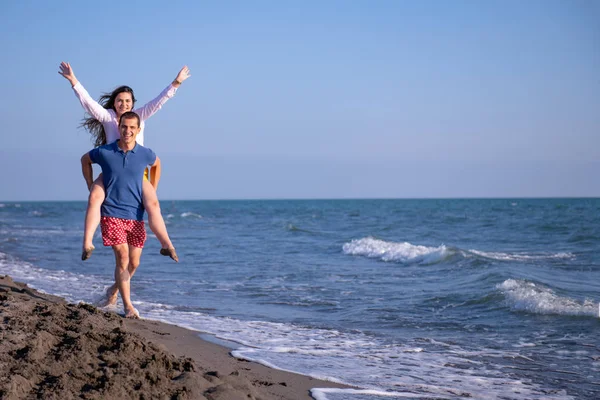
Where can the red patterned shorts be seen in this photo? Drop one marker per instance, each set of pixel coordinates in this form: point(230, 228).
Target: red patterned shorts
point(118, 231)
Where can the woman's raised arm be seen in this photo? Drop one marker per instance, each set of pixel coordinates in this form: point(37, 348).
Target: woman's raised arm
point(150, 108)
point(90, 105)
point(67, 72)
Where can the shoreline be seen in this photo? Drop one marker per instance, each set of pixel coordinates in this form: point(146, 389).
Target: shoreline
point(51, 348)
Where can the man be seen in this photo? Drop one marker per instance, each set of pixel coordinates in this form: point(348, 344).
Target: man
point(123, 163)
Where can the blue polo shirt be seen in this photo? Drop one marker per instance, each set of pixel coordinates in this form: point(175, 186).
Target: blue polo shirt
point(123, 174)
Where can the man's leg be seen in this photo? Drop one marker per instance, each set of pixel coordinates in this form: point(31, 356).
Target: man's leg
point(135, 253)
point(123, 278)
point(156, 221)
point(110, 298)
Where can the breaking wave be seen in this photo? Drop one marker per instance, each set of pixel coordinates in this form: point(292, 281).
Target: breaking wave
point(395, 251)
point(521, 295)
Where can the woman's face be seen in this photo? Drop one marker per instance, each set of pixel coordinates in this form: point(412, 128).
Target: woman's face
point(123, 103)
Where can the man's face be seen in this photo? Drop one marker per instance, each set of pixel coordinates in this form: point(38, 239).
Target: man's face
point(123, 103)
point(129, 130)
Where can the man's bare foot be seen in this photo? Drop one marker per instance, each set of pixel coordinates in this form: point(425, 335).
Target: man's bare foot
point(132, 314)
point(109, 299)
point(87, 253)
point(171, 253)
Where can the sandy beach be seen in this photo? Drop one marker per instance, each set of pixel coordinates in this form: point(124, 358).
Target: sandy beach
point(54, 350)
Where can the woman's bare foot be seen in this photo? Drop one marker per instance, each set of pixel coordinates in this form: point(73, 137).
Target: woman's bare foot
point(171, 253)
point(87, 252)
point(132, 313)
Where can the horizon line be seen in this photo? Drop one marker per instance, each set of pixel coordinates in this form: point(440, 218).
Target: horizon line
point(337, 198)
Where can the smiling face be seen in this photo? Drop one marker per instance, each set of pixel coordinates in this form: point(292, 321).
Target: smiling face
point(129, 129)
point(123, 103)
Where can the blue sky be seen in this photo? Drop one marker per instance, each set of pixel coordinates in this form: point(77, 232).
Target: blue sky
point(314, 99)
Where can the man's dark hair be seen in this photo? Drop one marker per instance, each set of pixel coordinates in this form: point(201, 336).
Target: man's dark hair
point(129, 115)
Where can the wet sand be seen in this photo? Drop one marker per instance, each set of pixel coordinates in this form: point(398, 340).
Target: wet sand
point(54, 350)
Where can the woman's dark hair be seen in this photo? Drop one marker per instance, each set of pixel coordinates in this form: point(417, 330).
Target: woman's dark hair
point(93, 126)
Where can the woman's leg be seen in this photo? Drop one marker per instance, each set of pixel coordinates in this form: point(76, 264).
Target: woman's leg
point(156, 221)
point(92, 216)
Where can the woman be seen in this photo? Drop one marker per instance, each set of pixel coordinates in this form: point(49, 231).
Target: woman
point(103, 125)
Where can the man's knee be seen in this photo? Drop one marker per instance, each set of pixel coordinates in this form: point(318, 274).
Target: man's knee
point(122, 256)
point(134, 263)
point(123, 263)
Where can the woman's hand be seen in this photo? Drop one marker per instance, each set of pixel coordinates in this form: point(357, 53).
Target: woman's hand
point(182, 76)
point(67, 72)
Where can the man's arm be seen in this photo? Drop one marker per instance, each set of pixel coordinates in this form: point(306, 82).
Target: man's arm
point(86, 169)
point(155, 171)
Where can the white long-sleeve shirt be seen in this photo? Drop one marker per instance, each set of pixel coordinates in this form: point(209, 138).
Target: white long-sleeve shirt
point(108, 118)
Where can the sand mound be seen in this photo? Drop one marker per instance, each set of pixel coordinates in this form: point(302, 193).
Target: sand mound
point(61, 351)
point(53, 350)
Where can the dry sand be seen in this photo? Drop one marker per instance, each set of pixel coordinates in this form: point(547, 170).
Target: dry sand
point(50, 349)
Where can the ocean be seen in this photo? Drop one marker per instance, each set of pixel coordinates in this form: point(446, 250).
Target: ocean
point(417, 299)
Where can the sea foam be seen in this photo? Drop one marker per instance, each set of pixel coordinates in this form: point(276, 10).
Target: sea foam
point(500, 256)
point(527, 296)
point(395, 251)
point(72, 286)
point(190, 214)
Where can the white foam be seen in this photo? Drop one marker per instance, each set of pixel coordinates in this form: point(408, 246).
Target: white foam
point(378, 369)
point(320, 393)
point(190, 214)
point(38, 232)
point(522, 295)
point(73, 287)
point(522, 257)
point(395, 251)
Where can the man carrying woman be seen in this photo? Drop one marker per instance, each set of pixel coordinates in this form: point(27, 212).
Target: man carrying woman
point(103, 124)
point(123, 164)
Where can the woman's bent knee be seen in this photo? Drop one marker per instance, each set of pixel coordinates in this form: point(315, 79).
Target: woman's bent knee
point(96, 194)
point(149, 196)
point(152, 207)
